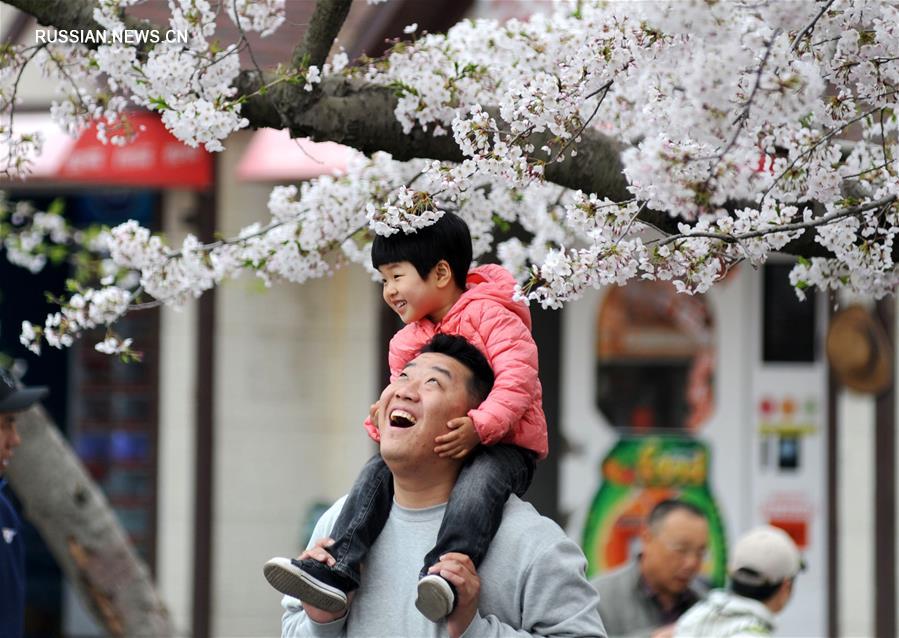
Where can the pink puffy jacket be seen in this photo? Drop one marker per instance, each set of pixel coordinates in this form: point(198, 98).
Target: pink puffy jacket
point(487, 316)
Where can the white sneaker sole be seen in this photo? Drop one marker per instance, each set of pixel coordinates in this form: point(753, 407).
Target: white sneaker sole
point(435, 598)
point(289, 579)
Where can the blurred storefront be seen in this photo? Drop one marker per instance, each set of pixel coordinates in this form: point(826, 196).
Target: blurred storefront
point(718, 399)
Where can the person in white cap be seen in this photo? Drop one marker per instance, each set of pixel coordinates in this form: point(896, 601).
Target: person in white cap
point(762, 568)
point(13, 399)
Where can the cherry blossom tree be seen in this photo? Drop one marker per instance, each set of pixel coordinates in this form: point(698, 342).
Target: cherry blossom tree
point(628, 140)
point(660, 140)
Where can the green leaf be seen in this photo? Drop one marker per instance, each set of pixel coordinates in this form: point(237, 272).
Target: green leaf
point(57, 206)
point(159, 103)
point(401, 88)
point(57, 254)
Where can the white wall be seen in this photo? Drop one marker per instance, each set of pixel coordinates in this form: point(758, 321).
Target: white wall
point(177, 439)
point(855, 418)
point(295, 373)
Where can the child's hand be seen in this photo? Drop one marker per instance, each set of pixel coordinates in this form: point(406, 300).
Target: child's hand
point(461, 439)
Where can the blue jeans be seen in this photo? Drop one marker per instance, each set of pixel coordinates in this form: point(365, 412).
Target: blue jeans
point(362, 518)
point(475, 509)
point(474, 512)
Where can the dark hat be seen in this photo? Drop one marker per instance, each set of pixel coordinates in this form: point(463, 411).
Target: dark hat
point(15, 399)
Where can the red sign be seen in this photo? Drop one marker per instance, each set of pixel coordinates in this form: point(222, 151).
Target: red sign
point(153, 158)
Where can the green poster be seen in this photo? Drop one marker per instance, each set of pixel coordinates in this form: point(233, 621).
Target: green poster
point(638, 473)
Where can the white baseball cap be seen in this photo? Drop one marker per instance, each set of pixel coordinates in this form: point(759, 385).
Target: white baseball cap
point(765, 555)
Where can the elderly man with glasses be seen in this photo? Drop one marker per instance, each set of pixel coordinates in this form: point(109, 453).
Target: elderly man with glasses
point(647, 595)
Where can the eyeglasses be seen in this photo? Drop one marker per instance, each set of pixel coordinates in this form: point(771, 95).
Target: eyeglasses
point(686, 551)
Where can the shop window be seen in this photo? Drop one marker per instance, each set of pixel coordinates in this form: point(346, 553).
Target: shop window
point(655, 358)
point(788, 324)
point(115, 426)
point(114, 405)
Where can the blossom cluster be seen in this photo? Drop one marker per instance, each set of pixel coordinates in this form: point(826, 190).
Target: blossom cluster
point(191, 84)
point(743, 127)
point(730, 103)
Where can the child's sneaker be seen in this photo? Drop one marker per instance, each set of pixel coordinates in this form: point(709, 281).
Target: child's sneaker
point(305, 580)
point(435, 598)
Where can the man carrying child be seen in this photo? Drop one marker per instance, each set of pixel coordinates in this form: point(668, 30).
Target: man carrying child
point(530, 582)
point(427, 282)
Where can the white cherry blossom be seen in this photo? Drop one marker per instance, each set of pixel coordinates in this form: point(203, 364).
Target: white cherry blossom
point(744, 126)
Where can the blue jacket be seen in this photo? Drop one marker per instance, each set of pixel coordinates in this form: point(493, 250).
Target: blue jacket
point(12, 570)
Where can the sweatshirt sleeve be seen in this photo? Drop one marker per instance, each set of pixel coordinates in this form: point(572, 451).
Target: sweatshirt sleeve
point(294, 622)
point(513, 357)
point(558, 600)
point(404, 345)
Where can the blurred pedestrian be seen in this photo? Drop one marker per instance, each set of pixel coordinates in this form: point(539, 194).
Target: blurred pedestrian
point(13, 399)
point(651, 592)
point(762, 569)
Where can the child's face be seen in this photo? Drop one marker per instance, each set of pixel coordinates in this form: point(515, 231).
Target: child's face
point(410, 296)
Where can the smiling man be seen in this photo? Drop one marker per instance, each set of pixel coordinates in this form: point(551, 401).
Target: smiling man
point(12, 551)
point(531, 581)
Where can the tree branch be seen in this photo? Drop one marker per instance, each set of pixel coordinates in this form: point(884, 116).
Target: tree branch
point(812, 223)
point(361, 115)
point(325, 24)
point(809, 27)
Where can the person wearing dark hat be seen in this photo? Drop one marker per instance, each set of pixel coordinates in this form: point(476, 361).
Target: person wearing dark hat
point(13, 400)
point(764, 563)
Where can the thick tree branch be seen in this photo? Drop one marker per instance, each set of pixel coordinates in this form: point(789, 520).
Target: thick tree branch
point(361, 115)
point(325, 24)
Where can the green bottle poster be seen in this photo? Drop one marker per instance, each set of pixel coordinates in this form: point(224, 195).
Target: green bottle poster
point(637, 473)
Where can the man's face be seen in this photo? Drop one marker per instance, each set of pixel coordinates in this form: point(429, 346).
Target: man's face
point(431, 390)
point(673, 552)
point(9, 439)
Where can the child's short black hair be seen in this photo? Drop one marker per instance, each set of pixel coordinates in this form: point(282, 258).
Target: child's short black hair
point(448, 238)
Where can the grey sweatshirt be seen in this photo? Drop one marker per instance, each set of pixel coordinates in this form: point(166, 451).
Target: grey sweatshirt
point(532, 582)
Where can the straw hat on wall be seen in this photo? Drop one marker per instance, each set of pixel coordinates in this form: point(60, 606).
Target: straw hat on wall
point(859, 351)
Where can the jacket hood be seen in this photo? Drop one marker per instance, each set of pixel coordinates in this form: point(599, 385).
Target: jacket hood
point(723, 614)
point(493, 283)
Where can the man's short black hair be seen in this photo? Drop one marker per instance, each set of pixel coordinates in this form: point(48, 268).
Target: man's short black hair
point(460, 349)
point(448, 238)
point(663, 508)
point(758, 592)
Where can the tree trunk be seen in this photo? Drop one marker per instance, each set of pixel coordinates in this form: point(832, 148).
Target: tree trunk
point(83, 533)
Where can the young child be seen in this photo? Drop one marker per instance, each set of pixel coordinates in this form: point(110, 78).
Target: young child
point(427, 283)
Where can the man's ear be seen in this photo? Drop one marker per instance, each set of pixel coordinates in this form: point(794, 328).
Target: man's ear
point(645, 535)
point(443, 274)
